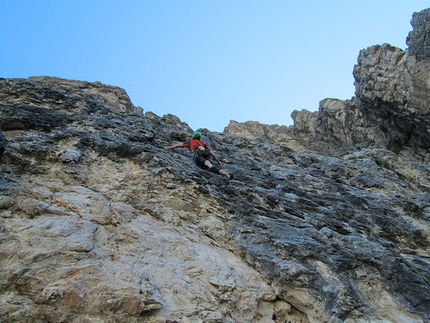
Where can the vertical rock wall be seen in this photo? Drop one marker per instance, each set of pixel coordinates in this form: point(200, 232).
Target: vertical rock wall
point(326, 221)
point(390, 109)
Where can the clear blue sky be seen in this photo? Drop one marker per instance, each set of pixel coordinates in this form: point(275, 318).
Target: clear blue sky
point(205, 61)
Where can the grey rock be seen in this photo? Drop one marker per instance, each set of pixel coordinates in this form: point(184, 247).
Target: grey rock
point(3, 143)
point(418, 40)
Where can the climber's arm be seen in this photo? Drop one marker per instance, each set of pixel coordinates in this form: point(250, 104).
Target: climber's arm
point(215, 158)
point(175, 146)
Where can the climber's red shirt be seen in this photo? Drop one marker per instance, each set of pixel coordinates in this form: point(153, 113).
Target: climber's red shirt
point(193, 144)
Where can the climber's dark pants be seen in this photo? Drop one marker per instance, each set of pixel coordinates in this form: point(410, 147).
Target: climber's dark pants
point(200, 161)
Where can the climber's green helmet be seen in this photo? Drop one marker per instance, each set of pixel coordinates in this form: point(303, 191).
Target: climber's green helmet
point(196, 135)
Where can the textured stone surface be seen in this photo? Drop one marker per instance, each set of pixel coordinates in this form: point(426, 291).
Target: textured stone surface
point(3, 143)
point(391, 107)
point(418, 40)
point(326, 221)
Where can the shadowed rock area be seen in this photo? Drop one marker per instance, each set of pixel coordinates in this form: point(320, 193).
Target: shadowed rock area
point(326, 221)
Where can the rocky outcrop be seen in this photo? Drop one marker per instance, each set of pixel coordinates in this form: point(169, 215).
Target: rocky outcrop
point(326, 220)
point(390, 109)
point(418, 40)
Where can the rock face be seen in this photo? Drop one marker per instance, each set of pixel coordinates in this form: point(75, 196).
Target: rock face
point(327, 220)
point(390, 110)
point(418, 40)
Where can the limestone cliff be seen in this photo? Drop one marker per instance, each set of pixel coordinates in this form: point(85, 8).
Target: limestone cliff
point(390, 110)
point(326, 221)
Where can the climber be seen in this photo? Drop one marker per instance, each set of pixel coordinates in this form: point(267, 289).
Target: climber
point(201, 154)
